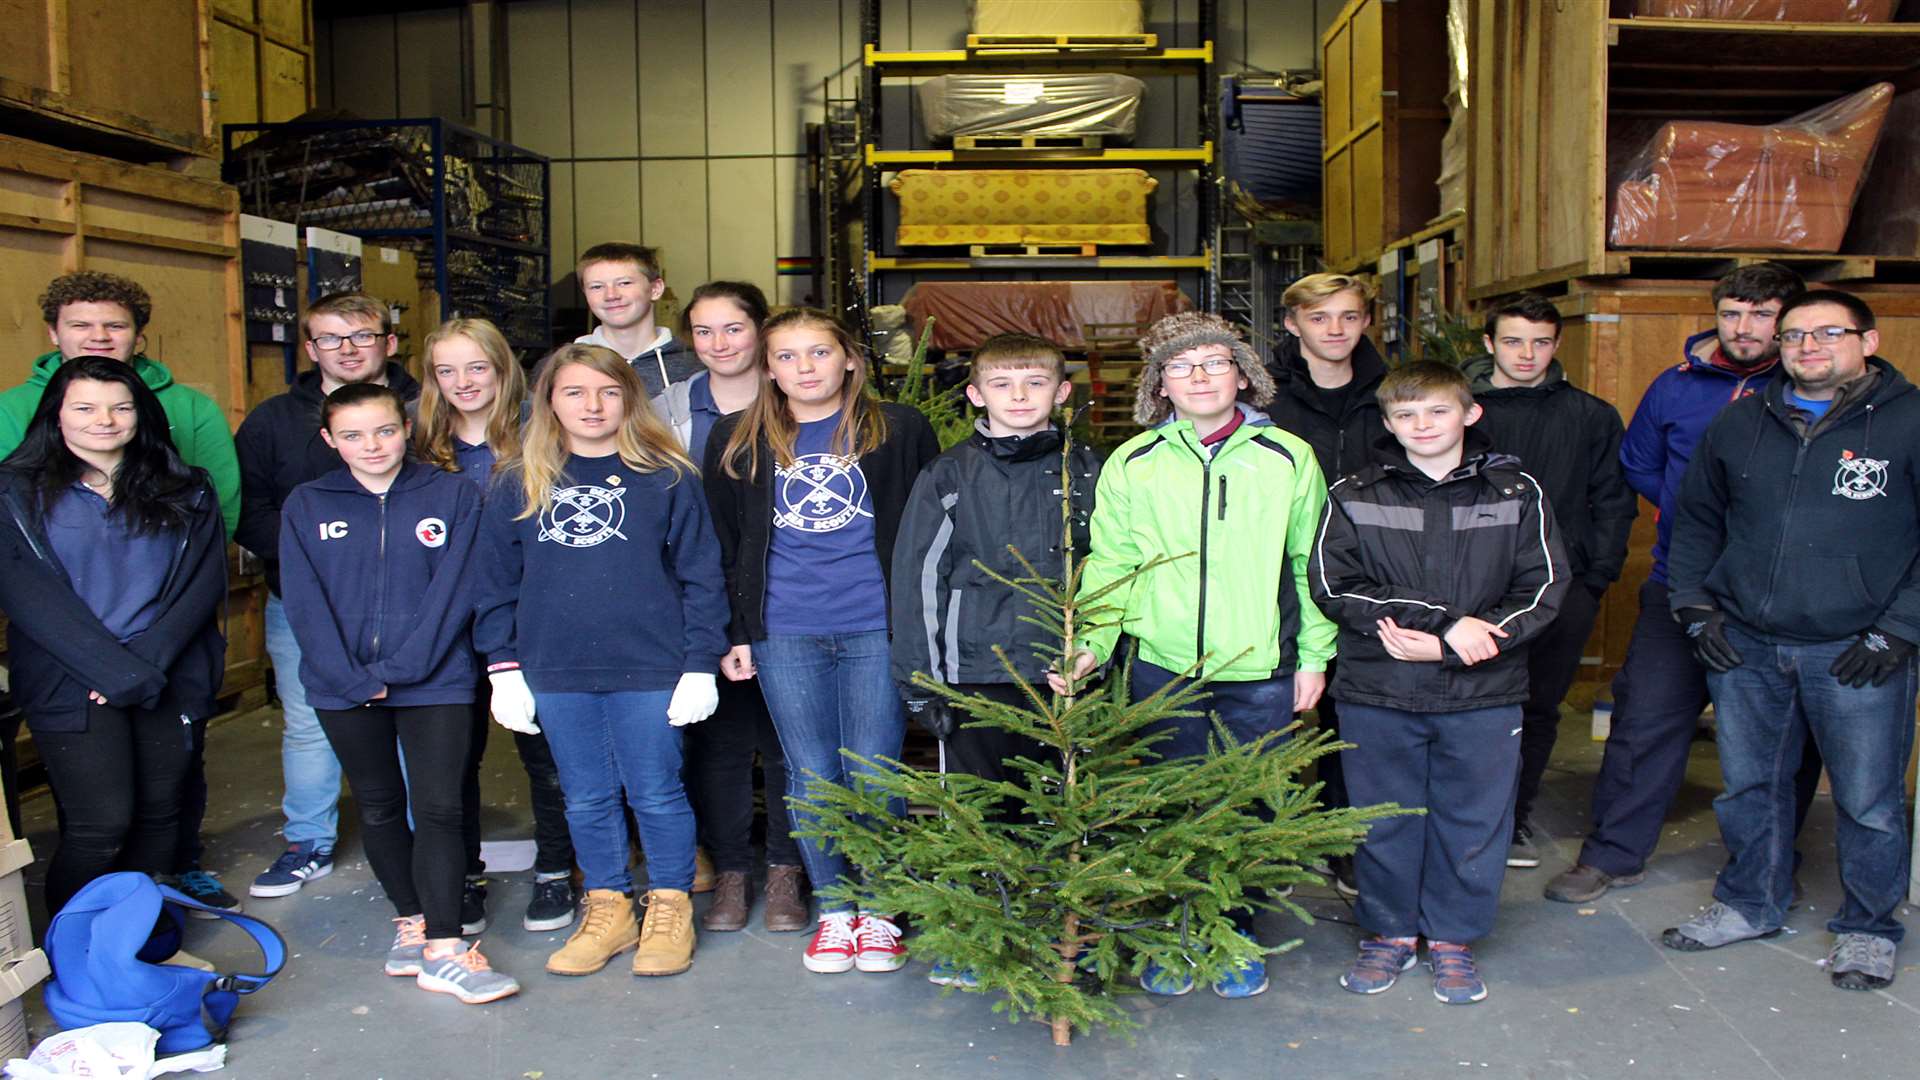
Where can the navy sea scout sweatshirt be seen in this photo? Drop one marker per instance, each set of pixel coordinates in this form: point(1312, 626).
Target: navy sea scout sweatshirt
point(614, 587)
point(378, 588)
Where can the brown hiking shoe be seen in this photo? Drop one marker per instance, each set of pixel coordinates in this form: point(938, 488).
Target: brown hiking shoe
point(1583, 883)
point(786, 908)
point(666, 937)
point(703, 875)
point(606, 929)
point(729, 910)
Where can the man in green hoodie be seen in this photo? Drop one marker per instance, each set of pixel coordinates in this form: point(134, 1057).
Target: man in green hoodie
point(94, 314)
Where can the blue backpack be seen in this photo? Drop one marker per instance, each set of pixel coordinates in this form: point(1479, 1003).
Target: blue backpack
point(105, 947)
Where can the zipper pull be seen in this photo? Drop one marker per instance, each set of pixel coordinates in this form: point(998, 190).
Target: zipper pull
point(1223, 499)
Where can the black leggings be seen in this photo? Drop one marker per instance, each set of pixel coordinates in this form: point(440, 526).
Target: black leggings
point(117, 784)
point(421, 873)
point(552, 842)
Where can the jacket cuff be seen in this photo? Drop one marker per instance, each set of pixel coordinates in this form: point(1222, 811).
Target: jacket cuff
point(700, 664)
point(1686, 598)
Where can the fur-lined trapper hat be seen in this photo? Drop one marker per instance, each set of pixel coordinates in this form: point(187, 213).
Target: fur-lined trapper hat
point(1176, 334)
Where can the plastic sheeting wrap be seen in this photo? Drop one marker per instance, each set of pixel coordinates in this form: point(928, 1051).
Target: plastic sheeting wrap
point(1023, 206)
point(1858, 11)
point(1712, 186)
point(965, 313)
point(1886, 218)
point(1029, 17)
point(1095, 104)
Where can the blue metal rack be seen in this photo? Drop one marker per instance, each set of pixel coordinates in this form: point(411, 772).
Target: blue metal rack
point(474, 209)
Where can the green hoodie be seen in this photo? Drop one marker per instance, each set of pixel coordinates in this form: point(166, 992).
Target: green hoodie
point(1247, 515)
point(199, 430)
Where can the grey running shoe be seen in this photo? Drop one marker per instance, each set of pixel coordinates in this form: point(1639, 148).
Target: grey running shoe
point(1861, 962)
point(467, 976)
point(409, 942)
point(1718, 925)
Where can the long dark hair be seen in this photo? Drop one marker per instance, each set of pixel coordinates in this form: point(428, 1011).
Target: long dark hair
point(153, 490)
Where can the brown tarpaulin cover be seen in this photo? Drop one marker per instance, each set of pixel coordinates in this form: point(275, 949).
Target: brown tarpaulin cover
point(1707, 185)
point(965, 313)
point(1859, 11)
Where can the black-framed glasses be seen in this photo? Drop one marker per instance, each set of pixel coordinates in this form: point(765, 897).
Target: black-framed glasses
point(362, 339)
point(1212, 365)
point(1823, 335)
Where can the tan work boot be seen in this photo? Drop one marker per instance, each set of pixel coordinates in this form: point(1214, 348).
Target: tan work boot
point(666, 938)
point(607, 928)
point(704, 876)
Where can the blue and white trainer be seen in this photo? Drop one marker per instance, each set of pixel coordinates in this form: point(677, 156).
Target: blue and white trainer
point(1165, 982)
point(948, 973)
point(300, 863)
point(1247, 979)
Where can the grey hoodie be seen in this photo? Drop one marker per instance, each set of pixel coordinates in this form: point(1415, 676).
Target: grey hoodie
point(666, 361)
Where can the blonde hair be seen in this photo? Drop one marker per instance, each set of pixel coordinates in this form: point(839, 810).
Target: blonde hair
point(769, 420)
point(433, 434)
point(644, 441)
point(349, 305)
point(1017, 351)
point(1319, 288)
point(1423, 379)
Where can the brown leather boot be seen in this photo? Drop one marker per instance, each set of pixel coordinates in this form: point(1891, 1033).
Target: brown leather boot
point(666, 937)
point(607, 928)
point(729, 910)
point(703, 876)
point(786, 908)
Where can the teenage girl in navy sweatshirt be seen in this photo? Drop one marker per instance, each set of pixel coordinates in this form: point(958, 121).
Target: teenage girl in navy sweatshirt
point(603, 609)
point(373, 573)
point(472, 406)
point(112, 572)
point(807, 485)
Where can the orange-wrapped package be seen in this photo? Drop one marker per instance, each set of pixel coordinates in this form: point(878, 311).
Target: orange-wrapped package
point(965, 313)
point(1706, 185)
point(1857, 11)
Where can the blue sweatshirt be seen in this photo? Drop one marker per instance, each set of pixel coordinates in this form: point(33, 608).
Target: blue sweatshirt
point(118, 572)
point(378, 588)
point(615, 587)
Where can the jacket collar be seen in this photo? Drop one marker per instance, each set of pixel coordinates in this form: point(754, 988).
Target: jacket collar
point(1702, 354)
point(1013, 448)
point(1390, 460)
point(1290, 372)
point(1479, 371)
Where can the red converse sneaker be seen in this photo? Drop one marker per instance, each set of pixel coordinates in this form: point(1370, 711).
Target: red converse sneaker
point(877, 944)
point(832, 948)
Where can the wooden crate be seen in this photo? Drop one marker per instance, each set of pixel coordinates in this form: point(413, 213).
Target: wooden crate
point(260, 56)
point(1564, 94)
point(1618, 336)
point(1385, 66)
point(126, 78)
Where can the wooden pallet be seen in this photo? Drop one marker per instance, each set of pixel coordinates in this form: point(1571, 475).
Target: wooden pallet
point(1026, 142)
point(1049, 251)
point(1022, 42)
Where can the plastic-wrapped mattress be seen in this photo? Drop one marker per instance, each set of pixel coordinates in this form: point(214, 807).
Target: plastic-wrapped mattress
point(1023, 206)
point(965, 313)
point(1092, 104)
point(1859, 11)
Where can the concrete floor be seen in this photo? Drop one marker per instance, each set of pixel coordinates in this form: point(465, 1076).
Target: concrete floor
point(1576, 992)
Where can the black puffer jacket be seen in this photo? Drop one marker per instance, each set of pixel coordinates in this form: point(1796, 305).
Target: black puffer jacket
point(1812, 537)
point(1570, 441)
point(1340, 443)
point(969, 505)
point(1394, 544)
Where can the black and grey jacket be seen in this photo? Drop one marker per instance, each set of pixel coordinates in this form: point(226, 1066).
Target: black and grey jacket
point(1395, 544)
point(1806, 532)
point(969, 506)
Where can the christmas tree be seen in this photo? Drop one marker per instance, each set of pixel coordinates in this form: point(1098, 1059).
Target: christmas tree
point(1114, 859)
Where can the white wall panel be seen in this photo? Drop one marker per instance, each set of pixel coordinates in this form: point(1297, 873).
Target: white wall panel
point(806, 44)
point(740, 221)
point(606, 202)
point(673, 79)
point(739, 83)
point(606, 85)
point(540, 67)
point(673, 218)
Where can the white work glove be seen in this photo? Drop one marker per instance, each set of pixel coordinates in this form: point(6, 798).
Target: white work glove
point(512, 705)
point(694, 699)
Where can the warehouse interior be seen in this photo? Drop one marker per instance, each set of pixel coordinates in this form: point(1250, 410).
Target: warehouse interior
point(241, 158)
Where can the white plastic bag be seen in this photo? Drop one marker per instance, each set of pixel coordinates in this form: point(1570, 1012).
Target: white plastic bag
point(110, 1050)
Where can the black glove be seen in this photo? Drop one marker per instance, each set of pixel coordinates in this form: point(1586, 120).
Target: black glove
point(932, 715)
point(1708, 629)
point(1873, 659)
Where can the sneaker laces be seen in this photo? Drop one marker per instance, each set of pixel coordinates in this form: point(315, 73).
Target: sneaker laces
point(1452, 964)
point(600, 915)
point(470, 959)
point(1379, 956)
point(662, 918)
point(1853, 952)
point(836, 931)
point(412, 931)
point(289, 859)
point(874, 932)
point(199, 881)
point(783, 887)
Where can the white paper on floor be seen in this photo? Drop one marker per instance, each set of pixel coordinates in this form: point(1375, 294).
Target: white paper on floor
point(507, 856)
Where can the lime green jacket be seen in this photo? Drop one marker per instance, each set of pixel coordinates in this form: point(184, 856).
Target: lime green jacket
point(198, 428)
point(1244, 521)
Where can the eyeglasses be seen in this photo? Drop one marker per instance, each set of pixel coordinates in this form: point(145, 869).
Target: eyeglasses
point(1824, 335)
point(1213, 365)
point(362, 339)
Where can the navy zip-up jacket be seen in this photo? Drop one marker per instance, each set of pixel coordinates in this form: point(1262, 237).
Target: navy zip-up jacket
point(615, 587)
point(378, 588)
point(59, 649)
point(1806, 538)
point(1673, 414)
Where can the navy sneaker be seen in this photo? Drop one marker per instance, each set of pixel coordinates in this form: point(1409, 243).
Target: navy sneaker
point(1379, 963)
point(552, 906)
point(1456, 978)
point(1159, 980)
point(205, 887)
point(299, 864)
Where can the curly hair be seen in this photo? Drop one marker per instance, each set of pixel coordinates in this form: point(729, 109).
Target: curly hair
point(94, 287)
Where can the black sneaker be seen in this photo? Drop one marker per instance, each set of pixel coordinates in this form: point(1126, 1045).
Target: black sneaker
point(473, 906)
point(1522, 853)
point(1342, 874)
point(552, 906)
point(204, 887)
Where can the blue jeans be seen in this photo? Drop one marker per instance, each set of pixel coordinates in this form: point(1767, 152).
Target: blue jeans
point(1764, 711)
point(828, 692)
point(1247, 709)
point(307, 763)
point(601, 744)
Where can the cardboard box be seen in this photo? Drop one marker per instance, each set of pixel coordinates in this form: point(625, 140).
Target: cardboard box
point(16, 934)
point(23, 974)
